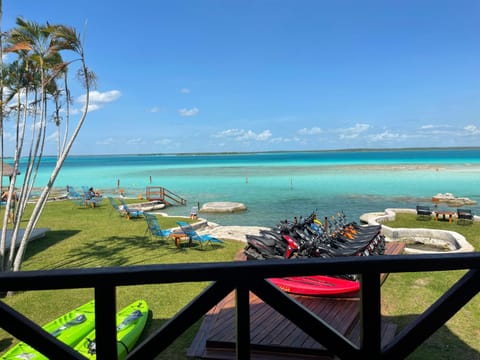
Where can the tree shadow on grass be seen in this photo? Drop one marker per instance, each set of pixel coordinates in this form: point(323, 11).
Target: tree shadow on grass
point(50, 238)
point(118, 251)
point(6, 343)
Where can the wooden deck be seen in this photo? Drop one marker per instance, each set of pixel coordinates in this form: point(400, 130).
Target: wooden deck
point(272, 335)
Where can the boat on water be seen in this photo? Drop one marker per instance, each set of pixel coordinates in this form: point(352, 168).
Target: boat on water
point(452, 200)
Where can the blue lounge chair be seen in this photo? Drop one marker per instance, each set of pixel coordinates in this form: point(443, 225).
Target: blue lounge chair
point(115, 206)
point(76, 197)
point(154, 227)
point(124, 210)
point(193, 236)
point(92, 198)
point(132, 213)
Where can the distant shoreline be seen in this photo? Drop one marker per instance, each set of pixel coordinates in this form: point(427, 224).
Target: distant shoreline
point(357, 150)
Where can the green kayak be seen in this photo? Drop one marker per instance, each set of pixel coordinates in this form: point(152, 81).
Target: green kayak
point(70, 328)
point(131, 321)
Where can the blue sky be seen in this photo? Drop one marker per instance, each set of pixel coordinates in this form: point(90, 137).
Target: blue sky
point(231, 75)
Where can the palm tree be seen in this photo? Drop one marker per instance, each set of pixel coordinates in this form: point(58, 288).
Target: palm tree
point(39, 49)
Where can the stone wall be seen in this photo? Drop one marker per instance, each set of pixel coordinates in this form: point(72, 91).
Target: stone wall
point(452, 240)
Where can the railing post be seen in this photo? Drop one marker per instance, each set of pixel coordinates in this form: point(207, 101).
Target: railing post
point(370, 316)
point(105, 323)
point(242, 321)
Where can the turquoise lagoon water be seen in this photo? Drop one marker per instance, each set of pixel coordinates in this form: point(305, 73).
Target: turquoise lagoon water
point(278, 186)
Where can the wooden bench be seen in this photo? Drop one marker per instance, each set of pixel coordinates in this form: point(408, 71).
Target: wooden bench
point(423, 213)
point(464, 216)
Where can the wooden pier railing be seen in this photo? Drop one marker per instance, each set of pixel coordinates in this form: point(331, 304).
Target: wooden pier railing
point(158, 193)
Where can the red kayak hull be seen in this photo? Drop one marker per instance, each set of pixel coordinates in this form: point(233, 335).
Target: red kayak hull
point(317, 285)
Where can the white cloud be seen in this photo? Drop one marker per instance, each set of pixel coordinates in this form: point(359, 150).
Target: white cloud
point(107, 141)
point(163, 142)
point(250, 135)
point(188, 112)
point(312, 131)
point(433, 127)
point(228, 133)
point(97, 100)
point(135, 141)
point(52, 137)
point(472, 129)
point(155, 109)
point(280, 139)
point(185, 91)
point(384, 136)
point(9, 136)
point(427, 127)
point(353, 132)
point(244, 135)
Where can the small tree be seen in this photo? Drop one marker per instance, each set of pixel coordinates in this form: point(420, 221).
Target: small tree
point(31, 83)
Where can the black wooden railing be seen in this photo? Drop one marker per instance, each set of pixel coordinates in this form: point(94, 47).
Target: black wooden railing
point(243, 277)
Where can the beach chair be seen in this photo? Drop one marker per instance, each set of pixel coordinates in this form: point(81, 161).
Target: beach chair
point(124, 210)
point(132, 213)
point(115, 206)
point(423, 213)
point(194, 213)
point(76, 197)
point(90, 198)
point(464, 216)
point(193, 236)
point(153, 227)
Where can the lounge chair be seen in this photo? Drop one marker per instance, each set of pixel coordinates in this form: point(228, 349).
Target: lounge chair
point(76, 197)
point(92, 198)
point(132, 213)
point(83, 199)
point(194, 212)
point(124, 210)
point(153, 227)
point(464, 216)
point(423, 213)
point(115, 206)
point(193, 236)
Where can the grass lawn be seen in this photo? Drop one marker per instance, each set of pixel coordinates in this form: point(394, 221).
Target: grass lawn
point(406, 295)
point(86, 237)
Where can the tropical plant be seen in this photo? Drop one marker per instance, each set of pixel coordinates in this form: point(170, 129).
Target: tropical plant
point(37, 78)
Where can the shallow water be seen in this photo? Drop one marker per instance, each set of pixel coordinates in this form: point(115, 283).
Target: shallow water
point(278, 186)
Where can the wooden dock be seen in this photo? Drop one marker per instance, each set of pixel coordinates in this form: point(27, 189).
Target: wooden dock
point(273, 336)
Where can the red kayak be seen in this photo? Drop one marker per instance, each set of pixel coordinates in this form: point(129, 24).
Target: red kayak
point(318, 285)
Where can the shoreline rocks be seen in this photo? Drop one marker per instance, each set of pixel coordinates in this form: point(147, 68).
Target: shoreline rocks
point(222, 207)
point(452, 200)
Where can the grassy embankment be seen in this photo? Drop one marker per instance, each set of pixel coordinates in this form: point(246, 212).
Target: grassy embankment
point(85, 237)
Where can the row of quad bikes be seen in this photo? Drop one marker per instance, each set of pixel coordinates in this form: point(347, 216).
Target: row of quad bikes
point(310, 238)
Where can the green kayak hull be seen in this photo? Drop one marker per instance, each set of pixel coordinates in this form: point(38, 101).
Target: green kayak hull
point(131, 321)
point(69, 328)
